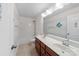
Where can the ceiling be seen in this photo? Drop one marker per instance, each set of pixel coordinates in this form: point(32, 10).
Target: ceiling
point(35, 9)
point(32, 9)
point(66, 7)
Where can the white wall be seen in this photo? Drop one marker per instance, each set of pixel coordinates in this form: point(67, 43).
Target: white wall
point(25, 30)
point(14, 29)
point(52, 20)
point(39, 25)
point(6, 29)
point(16, 23)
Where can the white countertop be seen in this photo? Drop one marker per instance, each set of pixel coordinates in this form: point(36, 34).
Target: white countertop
point(50, 42)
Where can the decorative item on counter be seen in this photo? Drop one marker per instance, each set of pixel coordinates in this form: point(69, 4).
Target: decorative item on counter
point(59, 25)
point(75, 24)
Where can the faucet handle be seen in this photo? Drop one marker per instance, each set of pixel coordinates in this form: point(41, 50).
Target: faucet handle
point(65, 42)
point(68, 33)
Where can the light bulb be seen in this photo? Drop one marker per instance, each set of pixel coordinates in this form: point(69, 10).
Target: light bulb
point(59, 5)
point(43, 15)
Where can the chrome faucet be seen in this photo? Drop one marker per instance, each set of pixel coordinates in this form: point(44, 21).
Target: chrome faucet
point(66, 42)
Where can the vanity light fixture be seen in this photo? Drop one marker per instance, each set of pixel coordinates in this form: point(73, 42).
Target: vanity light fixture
point(43, 15)
point(59, 5)
point(47, 12)
point(51, 10)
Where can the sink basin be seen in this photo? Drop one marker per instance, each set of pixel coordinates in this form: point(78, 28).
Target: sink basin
point(64, 50)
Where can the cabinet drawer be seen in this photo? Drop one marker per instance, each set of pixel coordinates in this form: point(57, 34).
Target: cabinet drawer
point(51, 52)
point(43, 45)
point(37, 40)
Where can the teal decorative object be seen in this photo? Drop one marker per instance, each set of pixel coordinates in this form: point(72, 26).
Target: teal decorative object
point(59, 25)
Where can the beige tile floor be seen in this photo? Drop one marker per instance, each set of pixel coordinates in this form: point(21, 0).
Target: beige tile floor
point(26, 50)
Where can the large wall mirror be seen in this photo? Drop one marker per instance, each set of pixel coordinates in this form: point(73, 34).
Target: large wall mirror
point(64, 23)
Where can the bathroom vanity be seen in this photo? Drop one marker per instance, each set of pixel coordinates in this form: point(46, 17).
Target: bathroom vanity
point(42, 49)
point(46, 46)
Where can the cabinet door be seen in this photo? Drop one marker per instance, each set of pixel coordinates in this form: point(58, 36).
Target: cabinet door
point(47, 54)
point(43, 45)
point(42, 51)
point(50, 52)
point(38, 46)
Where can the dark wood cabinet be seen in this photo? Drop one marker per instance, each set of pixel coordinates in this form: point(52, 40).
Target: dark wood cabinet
point(51, 52)
point(38, 46)
point(43, 50)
